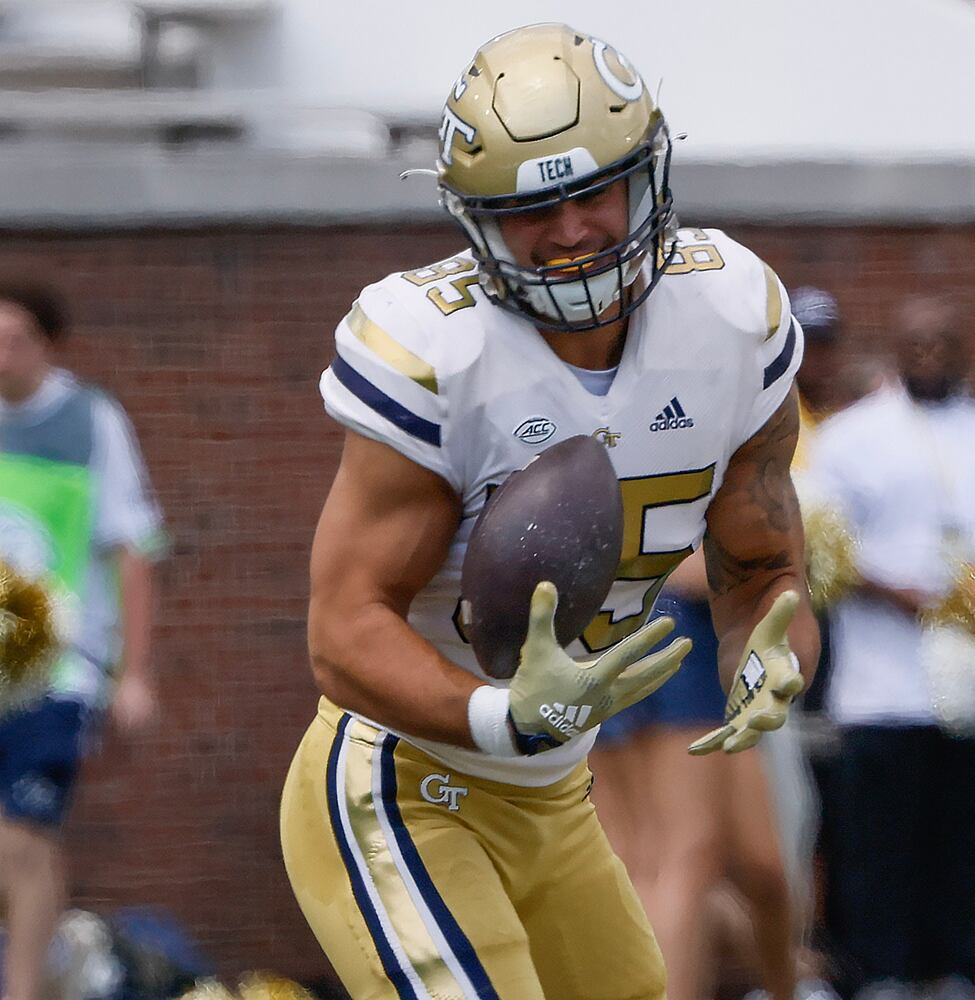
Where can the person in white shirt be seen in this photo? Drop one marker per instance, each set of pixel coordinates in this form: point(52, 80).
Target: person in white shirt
point(900, 466)
point(77, 512)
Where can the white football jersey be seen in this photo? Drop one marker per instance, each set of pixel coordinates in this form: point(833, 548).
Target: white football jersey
point(429, 366)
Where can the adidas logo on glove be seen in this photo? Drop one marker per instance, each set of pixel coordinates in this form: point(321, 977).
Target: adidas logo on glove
point(566, 719)
point(671, 418)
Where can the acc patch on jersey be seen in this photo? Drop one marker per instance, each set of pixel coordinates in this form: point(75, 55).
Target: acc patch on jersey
point(559, 519)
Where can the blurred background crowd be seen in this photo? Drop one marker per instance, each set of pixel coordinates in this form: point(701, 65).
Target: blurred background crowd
point(205, 185)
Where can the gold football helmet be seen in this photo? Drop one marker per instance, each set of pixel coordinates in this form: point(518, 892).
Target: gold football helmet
point(543, 114)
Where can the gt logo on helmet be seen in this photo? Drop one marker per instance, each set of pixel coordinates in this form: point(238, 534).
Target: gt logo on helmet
point(449, 127)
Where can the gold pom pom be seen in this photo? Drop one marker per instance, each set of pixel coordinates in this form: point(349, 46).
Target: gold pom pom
point(28, 633)
point(208, 989)
point(830, 556)
point(947, 654)
point(267, 986)
point(252, 986)
point(957, 608)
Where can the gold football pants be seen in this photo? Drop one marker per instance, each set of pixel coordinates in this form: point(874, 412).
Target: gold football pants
point(420, 882)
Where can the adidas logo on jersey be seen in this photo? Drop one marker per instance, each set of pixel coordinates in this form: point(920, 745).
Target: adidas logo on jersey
point(566, 718)
point(671, 418)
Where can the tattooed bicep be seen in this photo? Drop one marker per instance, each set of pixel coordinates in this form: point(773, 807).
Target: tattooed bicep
point(776, 439)
point(753, 521)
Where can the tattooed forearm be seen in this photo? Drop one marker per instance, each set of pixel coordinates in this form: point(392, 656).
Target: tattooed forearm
point(754, 546)
point(727, 571)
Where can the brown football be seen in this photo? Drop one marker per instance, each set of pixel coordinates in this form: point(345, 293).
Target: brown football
point(559, 519)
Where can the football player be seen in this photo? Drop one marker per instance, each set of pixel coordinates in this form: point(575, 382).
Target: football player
point(436, 823)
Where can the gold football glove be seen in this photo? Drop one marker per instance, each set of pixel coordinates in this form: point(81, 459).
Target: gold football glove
point(554, 697)
point(765, 683)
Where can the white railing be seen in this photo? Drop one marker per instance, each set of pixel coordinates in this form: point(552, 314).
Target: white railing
point(120, 69)
point(114, 43)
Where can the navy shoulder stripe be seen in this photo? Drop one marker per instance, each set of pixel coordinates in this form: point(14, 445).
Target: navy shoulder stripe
point(385, 406)
point(781, 364)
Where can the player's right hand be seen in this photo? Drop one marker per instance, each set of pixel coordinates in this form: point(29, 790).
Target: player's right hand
point(554, 697)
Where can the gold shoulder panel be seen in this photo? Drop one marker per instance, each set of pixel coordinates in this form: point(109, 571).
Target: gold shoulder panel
point(394, 354)
point(773, 302)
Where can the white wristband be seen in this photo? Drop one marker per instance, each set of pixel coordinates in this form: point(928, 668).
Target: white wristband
point(487, 715)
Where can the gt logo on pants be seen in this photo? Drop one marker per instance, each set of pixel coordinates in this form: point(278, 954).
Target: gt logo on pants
point(436, 788)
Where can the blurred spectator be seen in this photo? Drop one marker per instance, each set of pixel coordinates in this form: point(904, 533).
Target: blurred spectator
point(74, 502)
point(687, 827)
point(900, 467)
point(858, 377)
point(659, 806)
point(829, 378)
point(819, 316)
point(819, 375)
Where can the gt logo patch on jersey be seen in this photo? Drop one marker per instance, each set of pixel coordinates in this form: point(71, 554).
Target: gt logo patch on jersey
point(607, 437)
point(436, 788)
point(535, 430)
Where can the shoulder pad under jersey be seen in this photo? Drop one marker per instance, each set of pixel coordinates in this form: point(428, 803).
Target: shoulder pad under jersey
point(398, 352)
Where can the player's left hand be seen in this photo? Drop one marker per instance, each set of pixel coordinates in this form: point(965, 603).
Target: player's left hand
point(554, 697)
point(765, 683)
point(135, 706)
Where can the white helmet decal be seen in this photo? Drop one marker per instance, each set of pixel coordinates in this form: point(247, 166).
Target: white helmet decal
point(550, 171)
point(449, 127)
point(628, 91)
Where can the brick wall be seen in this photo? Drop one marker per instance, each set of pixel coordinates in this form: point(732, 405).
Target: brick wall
point(214, 340)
